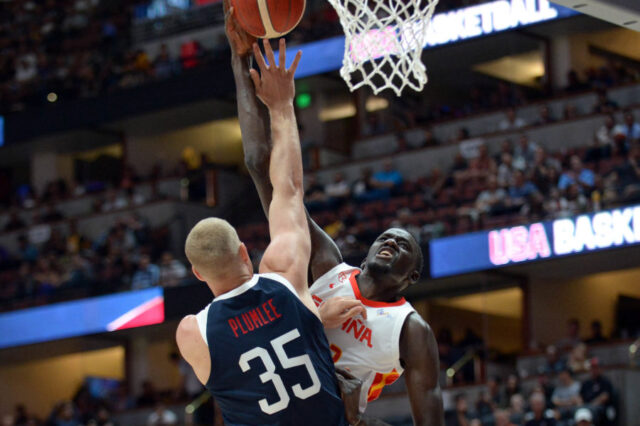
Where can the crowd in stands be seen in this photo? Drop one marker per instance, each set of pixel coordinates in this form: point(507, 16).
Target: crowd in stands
point(59, 50)
point(53, 260)
point(521, 183)
point(99, 402)
point(570, 389)
point(67, 49)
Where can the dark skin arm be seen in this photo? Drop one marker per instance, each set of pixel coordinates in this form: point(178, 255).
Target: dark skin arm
point(419, 356)
point(254, 125)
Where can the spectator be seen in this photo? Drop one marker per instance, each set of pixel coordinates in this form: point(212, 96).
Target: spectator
point(545, 116)
point(578, 358)
point(583, 417)
point(496, 394)
point(428, 139)
point(339, 189)
point(14, 222)
point(163, 65)
point(511, 121)
point(574, 84)
point(625, 178)
point(521, 189)
point(512, 386)
point(147, 275)
point(605, 133)
point(604, 105)
point(597, 392)
point(502, 418)
point(525, 153)
point(172, 271)
point(566, 395)
point(576, 201)
point(544, 171)
point(114, 201)
point(505, 170)
point(162, 416)
point(630, 129)
point(314, 195)
point(538, 416)
point(516, 406)
point(388, 177)
point(27, 251)
point(102, 418)
point(460, 415)
point(492, 200)
point(64, 415)
point(596, 333)
point(578, 174)
point(573, 335)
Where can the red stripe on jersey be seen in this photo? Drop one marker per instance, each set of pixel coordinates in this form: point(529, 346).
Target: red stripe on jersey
point(367, 302)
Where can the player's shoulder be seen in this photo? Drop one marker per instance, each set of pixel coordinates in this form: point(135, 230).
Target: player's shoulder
point(187, 329)
point(415, 330)
point(341, 270)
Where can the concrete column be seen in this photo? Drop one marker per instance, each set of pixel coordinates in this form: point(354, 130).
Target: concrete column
point(560, 61)
point(137, 367)
point(44, 169)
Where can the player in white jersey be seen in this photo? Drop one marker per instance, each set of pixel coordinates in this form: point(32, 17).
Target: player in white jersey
point(369, 348)
point(393, 339)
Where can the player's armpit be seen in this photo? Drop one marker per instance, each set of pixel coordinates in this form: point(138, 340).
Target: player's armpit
point(419, 354)
point(193, 348)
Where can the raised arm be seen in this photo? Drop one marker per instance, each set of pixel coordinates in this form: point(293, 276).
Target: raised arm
point(290, 247)
point(419, 353)
point(254, 122)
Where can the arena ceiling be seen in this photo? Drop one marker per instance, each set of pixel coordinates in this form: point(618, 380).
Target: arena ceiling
point(625, 13)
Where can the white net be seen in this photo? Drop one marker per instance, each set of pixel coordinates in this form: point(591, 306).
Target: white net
point(383, 42)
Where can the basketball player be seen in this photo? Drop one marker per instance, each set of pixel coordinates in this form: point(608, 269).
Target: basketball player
point(260, 347)
point(393, 338)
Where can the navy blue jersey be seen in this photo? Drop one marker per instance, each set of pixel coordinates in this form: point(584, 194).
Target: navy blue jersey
point(270, 359)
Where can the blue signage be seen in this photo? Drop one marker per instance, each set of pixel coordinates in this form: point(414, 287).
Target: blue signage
point(537, 241)
point(447, 27)
point(82, 317)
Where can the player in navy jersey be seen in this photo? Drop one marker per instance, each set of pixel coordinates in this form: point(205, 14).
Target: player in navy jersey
point(259, 347)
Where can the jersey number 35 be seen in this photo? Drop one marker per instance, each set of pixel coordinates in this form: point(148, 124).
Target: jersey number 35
point(270, 374)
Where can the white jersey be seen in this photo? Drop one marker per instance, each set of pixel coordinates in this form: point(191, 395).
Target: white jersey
point(369, 349)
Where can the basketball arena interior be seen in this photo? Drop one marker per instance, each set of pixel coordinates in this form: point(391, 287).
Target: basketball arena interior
point(516, 168)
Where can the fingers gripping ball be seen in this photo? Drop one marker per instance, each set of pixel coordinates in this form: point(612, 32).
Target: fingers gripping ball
point(268, 18)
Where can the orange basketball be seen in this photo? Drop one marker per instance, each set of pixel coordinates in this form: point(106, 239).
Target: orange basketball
point(268, 18)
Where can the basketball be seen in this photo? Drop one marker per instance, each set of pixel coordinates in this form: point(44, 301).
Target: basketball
point(268, 18)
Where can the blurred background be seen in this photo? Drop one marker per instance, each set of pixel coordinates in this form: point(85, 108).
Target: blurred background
point(517, 169)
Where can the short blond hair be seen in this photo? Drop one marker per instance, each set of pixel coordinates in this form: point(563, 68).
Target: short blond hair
point(212, 246)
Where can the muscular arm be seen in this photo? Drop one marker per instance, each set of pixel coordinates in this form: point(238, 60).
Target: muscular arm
point(419, 354)
point(254, 123)
point(290, 247)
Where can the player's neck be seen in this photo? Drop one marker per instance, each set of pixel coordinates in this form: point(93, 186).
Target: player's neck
point(377, 288)
point(229, 282)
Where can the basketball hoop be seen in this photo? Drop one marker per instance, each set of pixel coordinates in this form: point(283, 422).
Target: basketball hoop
point(383, 42)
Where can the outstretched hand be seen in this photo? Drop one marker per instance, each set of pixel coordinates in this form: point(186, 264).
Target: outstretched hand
point(240, 40)
point(274, 85)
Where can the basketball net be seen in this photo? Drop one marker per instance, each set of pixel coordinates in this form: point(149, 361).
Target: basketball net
point(383, 42)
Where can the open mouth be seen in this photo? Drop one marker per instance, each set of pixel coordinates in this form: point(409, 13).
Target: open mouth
point(386, 253)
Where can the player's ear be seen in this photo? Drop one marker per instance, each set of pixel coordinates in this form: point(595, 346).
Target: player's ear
point(196, 273)
point(244, 255)
point(414, 277)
